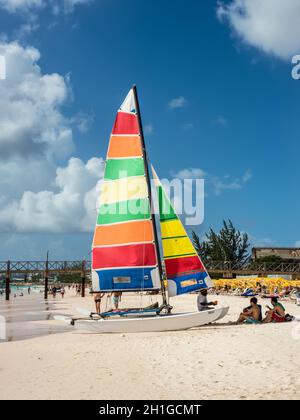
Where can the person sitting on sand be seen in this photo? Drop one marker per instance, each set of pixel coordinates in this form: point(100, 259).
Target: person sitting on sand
point(275, 314)
point(97, 300)
point(251, 314)
point(202, 303)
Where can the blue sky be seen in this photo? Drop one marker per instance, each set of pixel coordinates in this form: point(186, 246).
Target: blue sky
point(238, 121)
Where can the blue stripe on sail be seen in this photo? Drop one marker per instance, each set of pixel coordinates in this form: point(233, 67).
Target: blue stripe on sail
point(187, 283)
point(125, 279)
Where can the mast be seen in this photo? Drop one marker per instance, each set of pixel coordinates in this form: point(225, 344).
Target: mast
point(163, 289)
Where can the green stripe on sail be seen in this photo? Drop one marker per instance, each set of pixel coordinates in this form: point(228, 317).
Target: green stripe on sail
point(124, 211)
point(124, 168)
point(174, 237)
point(180, 255)
point(166, 211)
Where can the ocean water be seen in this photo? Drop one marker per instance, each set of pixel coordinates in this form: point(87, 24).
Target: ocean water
point(28, 316)
point(24, 289)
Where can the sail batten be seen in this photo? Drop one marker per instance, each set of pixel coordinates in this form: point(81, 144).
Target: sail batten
point(184, 269)
point(124, 255)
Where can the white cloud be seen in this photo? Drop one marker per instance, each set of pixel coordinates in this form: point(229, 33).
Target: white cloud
point(148, 129)
point(273, 26)
point(28, 12)
point(70, 4)
point(179, 102)
point(18, 174)
point(190, 173)
point(31, 120)
point(188, 126)
point(14, 6)
point(221, 120)
point(83, 121)
point(262, 242)
point(69, 207)
point(217, 184)
point(27, 28)
point(35, 194)
point(221, 184)
point(247, 176)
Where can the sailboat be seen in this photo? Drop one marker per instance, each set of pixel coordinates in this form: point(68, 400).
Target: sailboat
point(126, 254)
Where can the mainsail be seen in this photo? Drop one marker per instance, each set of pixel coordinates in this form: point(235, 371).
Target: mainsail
point(184, 269)
point(124, 251)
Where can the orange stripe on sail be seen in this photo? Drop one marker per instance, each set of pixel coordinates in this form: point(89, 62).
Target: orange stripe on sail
point(124, 233)
point(124, 146)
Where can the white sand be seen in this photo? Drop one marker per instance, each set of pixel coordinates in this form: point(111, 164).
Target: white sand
point(217, 361)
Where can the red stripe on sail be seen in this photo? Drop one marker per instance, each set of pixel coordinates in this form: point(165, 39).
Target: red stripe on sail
point(125, 124)
point(176, 266)
point(124, 256)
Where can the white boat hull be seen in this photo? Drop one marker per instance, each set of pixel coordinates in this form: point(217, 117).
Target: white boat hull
point(172, 322)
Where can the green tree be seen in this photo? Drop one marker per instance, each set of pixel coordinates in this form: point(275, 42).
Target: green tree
point(200, 247)
point(229, 244)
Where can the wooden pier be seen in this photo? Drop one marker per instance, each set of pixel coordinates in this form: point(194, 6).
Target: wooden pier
point(227, 269)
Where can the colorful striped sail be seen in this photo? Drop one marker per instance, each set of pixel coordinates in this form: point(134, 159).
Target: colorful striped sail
point(123, 252)
point(184, 269)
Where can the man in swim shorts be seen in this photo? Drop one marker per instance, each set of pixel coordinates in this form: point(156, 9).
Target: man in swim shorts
point(116, 296)
point(97, 300)
point(251, 314)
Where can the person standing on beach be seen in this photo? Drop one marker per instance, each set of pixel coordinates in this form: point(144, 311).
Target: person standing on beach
point(116, 299)
point(202, 303)
point(97, 300)
point(62, 291)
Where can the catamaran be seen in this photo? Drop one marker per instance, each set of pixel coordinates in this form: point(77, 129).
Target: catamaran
point(125, 249)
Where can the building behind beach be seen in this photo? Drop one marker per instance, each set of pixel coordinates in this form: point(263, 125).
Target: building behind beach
point(286, 254)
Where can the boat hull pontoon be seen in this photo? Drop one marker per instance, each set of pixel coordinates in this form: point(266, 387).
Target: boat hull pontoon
point(167, 322)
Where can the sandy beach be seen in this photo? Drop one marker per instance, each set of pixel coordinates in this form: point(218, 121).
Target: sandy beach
point(45, 359)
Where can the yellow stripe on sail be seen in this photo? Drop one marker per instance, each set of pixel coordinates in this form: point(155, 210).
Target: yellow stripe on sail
point(123, 190)
point(178, 247)
point(171, 228)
